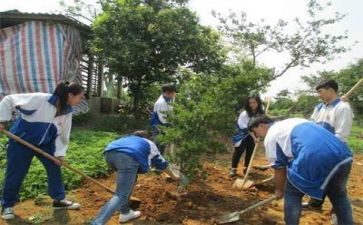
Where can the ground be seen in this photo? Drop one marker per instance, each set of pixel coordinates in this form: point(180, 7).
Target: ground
point(205, 202)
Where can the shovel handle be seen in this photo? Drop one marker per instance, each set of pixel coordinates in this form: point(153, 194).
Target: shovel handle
point(258, 204)
point(250, 164)
point(354, 88)
point(55, 160)
point(254, 149)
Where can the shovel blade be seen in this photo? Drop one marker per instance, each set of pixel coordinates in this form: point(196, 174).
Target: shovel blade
point(248, 184)
point(229, 218)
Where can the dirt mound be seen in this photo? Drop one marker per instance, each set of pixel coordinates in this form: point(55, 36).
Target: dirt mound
point(205, 202)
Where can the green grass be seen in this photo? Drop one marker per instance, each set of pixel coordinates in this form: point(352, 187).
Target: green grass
point(355, 140)
point(85, 153)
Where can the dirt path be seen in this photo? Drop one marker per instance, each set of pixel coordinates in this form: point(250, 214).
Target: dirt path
point(206, 201)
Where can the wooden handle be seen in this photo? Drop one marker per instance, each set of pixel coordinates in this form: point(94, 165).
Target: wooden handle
point(261, 203)
point(250, 164)
point(354, 88)
point(254, 149)
point(55, 160)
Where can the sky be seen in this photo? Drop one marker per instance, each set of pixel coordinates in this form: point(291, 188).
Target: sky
point(271, 11)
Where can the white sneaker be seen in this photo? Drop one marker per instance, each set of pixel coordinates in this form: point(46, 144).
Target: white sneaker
point(65, 204)
point(7, 213)
point(129, 216)
point(334, 219)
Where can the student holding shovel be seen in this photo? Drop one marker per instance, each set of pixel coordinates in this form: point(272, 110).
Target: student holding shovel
point(129, 155)
point(44, 121)
point(334, 115)
point(162, 106)
point(309, 160)
point(242, 140)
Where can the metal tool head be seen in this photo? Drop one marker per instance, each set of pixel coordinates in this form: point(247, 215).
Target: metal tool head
point(229, 218)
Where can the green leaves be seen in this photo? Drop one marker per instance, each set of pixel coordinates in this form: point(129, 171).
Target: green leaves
point(205, 111)
point(306, 44)
point(147, 42)
point(85, 153)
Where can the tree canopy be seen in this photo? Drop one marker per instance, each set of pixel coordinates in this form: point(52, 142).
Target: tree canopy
point(147, 41)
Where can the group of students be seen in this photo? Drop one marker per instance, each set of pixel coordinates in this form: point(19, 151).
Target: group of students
point(44, 120)
point(308, 158)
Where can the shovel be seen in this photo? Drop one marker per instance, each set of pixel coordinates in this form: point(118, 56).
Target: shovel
point(244, 183)
point(355, 87)
point(235, 216)
point(134, 202)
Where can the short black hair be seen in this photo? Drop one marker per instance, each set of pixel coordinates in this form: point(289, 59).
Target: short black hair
point(142, 133)
point(256, 121)
point(168, 88)
point(328, 84)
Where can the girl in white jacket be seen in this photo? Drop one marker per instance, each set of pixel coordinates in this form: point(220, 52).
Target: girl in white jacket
point(44, 121)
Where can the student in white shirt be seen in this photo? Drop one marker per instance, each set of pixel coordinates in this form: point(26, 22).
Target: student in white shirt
point(161, 107)
point(307, 159)
point(334, 115)
point(242, 139)
point(45, 121)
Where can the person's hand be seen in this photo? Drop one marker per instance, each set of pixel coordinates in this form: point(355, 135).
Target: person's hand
point(2, 127)
point(60, 160)
point(279, 194)
point(256, 140)
point(344, 98)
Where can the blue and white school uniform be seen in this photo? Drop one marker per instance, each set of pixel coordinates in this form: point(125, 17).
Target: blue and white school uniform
point(38, 125)
point(141, 150)
point(311, 154)
point(161, 107)
point(242, 131)
point(336, 117)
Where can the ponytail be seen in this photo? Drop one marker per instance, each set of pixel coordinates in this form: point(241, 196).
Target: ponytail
point(63, 89)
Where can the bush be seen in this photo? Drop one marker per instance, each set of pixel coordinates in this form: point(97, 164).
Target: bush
point(121, 123)
point(203, 112)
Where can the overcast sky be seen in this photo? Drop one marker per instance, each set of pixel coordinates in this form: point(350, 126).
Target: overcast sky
point(271, 11)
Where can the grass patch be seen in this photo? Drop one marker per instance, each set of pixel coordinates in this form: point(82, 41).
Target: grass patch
point(85, 153)
point(355, 140)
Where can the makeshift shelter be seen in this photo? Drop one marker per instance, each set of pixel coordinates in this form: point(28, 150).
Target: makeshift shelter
point(37, 51)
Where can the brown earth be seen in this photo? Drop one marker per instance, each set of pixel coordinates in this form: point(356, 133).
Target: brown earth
point(205, 202)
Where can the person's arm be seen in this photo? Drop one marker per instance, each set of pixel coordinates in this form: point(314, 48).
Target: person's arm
point(160, 109)
point(280, 182)
point(255, 139)
point(279, 162)
point(343, 122)
point(243, 120)
point(314, 116)
point(26, 102)
point(62, 140)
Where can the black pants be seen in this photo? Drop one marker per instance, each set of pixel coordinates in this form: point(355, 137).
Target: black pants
point(247, 144)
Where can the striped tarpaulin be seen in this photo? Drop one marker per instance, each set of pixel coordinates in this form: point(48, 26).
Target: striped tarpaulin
point(35, 56)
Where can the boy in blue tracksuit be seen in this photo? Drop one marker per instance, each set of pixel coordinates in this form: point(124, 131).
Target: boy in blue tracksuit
point(45, 121)
point(334, 115)
point(309, 160)
point(162, 106)
point(129, 156)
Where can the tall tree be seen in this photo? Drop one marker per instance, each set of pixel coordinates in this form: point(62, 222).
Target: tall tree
point(147, 41)
point(307, 45)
